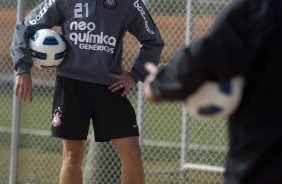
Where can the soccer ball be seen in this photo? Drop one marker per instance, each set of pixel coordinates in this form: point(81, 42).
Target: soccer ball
point(215, 101)
point(47, 48)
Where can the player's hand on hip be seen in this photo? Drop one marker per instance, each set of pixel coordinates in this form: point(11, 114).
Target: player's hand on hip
point(124, 81)
point(147, 90)
point(23, 87)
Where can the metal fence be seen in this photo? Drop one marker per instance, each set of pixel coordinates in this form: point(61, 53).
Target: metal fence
point(177, 149)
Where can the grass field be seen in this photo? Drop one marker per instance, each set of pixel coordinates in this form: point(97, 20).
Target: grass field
point(40, 155)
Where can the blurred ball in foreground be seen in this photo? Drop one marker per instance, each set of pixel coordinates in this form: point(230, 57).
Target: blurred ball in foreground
point(215, 101)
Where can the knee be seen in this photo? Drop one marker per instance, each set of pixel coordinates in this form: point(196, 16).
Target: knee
point(133, 155)
point(73, 158)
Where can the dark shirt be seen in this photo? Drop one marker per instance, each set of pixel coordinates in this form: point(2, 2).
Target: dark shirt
point(246, 40)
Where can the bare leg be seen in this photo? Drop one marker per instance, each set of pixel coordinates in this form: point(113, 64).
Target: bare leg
point(72, 159)
point(131, 157)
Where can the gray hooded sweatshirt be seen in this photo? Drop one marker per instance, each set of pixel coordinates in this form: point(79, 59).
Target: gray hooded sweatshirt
point(94, 32)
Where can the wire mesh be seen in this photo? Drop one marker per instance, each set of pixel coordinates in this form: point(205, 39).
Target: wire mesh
point(162, 136)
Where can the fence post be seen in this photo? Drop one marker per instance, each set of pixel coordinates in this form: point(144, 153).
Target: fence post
point(141, 108)
point(185, 131)
point(99, 170)
point(140, 113)
point(189, 22)
point(16, 117)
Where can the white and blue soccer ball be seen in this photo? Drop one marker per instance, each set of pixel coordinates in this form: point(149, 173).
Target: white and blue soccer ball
point(47, 48)
point(215, 101)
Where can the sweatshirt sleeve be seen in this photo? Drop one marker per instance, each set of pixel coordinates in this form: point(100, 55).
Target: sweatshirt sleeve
point(234, 43)
point(142, 26)
point(46, 15)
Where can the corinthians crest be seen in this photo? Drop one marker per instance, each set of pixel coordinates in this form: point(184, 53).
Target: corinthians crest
point(56, 121)
point(110, 4)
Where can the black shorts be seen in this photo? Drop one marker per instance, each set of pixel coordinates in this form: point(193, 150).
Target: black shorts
point(76, 102)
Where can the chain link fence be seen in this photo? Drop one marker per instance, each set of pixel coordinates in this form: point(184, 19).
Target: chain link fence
point(177, 149)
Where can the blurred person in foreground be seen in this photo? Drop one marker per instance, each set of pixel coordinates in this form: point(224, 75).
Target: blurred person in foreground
point(91, 83)
point(245, 40)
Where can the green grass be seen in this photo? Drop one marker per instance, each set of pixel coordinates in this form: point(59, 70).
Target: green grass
point(5, 109)
point(39, 169)
point(4, 164)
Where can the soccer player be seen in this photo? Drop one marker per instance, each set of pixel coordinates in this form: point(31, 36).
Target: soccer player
point(91, 83)
point(246, 40)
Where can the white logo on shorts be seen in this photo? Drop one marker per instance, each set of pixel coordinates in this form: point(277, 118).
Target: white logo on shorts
point(56, 121)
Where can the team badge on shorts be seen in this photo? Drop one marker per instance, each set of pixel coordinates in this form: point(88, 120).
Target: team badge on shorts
point(56, 121)
point(111, 4)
